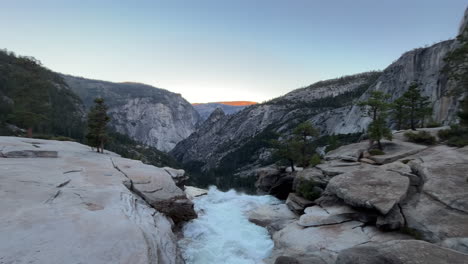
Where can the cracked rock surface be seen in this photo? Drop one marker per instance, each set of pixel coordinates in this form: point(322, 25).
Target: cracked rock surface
point(75, 209)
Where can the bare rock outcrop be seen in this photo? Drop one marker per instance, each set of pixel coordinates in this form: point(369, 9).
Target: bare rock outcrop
point(273, 217)
point(370, 188)
point(74, 208)
point(156, 186)
point(439, 211)
point(400, 252)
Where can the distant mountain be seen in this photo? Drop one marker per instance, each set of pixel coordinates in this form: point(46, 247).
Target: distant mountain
point(152, 116)
point(229, 146)
point(228, 107)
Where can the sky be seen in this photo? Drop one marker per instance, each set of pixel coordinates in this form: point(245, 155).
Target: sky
point(223, 50)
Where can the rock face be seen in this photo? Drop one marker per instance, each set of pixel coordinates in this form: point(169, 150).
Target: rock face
point(75, 206)
point(150, 115)
point(439, 211)
point(400, 252)
point(157, 187)
point(220, 137)
point(423, 65)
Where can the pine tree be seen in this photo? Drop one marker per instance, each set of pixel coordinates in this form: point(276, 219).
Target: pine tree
point(424, 109)
point(377, 109)
point(304, 134)
point(417, 106)
point(97, 121)
point(299, 148)
point(398, 113)
point(463, 113)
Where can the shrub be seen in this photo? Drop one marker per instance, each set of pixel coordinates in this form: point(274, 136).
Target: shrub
point(62, 138)
point(42, 136)
point(315, 160)
point(309, 189)
point(412, 232)
point(376, 152)
point(433, 124)
point(456, 136)
point(422, 137)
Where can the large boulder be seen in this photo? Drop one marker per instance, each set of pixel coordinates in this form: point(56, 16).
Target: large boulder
point(400, 252)
point(266, 178)
point(193, 192)
point(326, 240)
point(351, 152)
point(371, 188)
point(178, 175)
point(75, 209)
point(310, 174)
point(439, 211)
point(297, 204)
point(273, 217)
point(157, 187)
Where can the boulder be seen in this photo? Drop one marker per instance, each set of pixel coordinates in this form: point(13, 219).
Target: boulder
point(266, 178)
point(326, 241)
point(178, 175)
point(370, 188)
point(273, 217)
point(456, 243)
point(157, 187)
point(193, 192)
point(75, 209)
point(310, 174)
point(319, 216)
point(440, 209)
point(400, 252)
point(394, 220)
point(297, 204)
point(351, 152)
point(395, 150)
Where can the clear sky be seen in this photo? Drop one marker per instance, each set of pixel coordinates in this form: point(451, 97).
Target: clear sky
point(218, 50)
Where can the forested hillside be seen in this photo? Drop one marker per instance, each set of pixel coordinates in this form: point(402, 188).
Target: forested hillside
point(35, 98)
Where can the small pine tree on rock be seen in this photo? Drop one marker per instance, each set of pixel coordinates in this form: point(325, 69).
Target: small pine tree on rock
point(377, 109)
point(417, 106)
point(97, 122)
point(398, 113)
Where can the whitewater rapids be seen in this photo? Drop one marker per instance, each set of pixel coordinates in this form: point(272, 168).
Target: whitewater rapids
point(222, 232)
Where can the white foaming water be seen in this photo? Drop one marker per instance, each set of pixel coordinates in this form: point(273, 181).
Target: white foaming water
point(222, 232)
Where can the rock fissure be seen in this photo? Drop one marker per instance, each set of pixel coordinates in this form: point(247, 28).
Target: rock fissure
point(53, 197)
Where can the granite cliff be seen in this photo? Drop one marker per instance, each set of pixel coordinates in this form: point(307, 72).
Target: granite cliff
point(152, 116)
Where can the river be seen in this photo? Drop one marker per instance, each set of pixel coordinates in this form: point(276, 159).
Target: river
point(222, 232)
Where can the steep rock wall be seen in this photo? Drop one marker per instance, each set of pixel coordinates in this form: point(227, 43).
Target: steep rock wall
point(153, 116)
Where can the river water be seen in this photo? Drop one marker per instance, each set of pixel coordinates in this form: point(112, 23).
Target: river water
point(222, 232)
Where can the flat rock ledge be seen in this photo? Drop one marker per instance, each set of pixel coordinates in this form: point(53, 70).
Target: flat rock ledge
point(370, 188)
